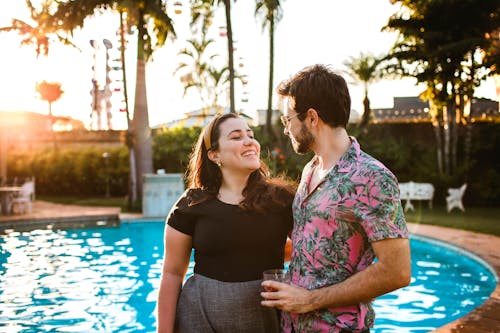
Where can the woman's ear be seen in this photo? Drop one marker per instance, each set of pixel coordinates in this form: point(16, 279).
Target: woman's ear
point(213, 156)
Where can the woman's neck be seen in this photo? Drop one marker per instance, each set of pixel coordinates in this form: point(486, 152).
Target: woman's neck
point(231, 189)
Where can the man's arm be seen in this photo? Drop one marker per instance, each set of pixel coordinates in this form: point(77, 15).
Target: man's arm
point(392, 271)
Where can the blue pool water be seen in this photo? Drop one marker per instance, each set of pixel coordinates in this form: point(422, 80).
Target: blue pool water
point(106, 280)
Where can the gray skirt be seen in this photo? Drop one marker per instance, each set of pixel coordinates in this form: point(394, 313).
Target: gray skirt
point(206, 305)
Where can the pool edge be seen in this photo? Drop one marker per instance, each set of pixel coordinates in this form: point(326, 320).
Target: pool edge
point(486, 317)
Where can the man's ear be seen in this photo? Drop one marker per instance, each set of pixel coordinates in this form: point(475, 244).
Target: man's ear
point(312, 117)
point(213, 156)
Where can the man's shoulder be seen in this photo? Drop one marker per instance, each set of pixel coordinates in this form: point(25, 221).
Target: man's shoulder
point(368, 164)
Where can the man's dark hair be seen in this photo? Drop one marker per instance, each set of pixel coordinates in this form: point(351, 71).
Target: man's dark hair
point(318, 87)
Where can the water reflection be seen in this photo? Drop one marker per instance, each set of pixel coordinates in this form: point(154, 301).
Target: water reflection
point(106, 280)
point(80, 280)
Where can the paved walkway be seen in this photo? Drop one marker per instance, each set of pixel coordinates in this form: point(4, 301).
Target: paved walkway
point(53, 216)
point(484, 319)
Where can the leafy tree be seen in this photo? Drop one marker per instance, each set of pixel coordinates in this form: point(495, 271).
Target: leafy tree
point(364, 69)
point(39, 35)
point(203, 10)
point(448, 45)
point(271, 13)
point(202, 14)
point(152, 22)
point(210, 81)
point(197, 69)
point(50, 92)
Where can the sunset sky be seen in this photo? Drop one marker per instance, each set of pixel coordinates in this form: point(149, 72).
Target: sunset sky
point(314, 31)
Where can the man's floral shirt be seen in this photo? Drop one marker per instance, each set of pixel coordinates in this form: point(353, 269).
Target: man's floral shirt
point(356, 203)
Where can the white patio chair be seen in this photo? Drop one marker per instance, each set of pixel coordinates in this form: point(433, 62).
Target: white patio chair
point(22, 202)
point(454, 198)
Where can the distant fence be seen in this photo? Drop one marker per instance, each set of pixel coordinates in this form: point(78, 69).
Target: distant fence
point(71, 139)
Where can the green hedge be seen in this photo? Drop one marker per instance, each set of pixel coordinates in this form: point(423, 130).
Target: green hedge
point(407, 149)
point(73, 172)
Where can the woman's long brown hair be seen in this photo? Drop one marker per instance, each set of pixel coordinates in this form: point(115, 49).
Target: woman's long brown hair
point(261, 193)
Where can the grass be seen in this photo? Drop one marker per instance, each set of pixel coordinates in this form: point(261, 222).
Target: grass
point(479, 219)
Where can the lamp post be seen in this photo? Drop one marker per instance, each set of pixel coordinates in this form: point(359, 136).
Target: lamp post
point(105, 156)
point(132, 182)
point(107, 89)
point(95, 115)
point(101, 95)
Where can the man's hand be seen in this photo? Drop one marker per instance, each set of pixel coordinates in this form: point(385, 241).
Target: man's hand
point(287, 297)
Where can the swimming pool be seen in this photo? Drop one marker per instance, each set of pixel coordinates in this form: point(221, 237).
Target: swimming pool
point(106, 280)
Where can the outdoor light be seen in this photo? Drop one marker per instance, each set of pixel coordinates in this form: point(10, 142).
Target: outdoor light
point(222, 31)
point(105, 156)
point(107, 43)
point(177, 7)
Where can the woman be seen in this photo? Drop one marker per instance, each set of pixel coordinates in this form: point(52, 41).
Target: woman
point(236, 219)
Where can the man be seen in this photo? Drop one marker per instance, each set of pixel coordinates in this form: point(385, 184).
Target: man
point(347, 212)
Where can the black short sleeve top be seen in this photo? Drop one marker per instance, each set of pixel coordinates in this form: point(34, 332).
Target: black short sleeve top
point(231, 244)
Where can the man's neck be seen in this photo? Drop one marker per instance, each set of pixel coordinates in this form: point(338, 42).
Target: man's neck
point(330, 145)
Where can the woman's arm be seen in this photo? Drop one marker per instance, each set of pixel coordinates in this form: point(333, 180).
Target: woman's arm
point(175, 263)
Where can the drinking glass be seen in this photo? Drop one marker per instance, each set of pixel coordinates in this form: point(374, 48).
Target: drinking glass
point(275, 274)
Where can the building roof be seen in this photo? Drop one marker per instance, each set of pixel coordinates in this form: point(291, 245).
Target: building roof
point(197, 118)
point(413, 109)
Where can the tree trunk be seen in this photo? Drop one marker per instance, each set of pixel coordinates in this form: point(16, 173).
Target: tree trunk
point(455, 123)
point(142, 133)
point(439, 145)
point(227, 5)
point(51, 117)
point(132, 183)
point(3, 154)
point(269, 112)
point(365, 118)
point(468, 135)
point(446, 141)
point(467, 148)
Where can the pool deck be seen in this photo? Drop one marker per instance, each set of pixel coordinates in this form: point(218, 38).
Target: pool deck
point(484, 319)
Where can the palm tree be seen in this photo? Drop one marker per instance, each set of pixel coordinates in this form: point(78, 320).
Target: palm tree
point(195, 71)
point(218, 79)
point(31, 36)
point(40, 34)
point(451, 50)
point(50, 92)
point(201, 11)
point(202, 14)
point(150, 18)
point(230, 50)
point(364, 69)
point(271, 12)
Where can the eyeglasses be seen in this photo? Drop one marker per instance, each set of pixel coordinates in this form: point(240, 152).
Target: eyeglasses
point(285, 120)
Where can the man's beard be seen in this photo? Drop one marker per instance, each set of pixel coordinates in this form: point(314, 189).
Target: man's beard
point(304, 141)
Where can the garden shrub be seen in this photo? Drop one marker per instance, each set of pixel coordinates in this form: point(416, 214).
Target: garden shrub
point(408, 150)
